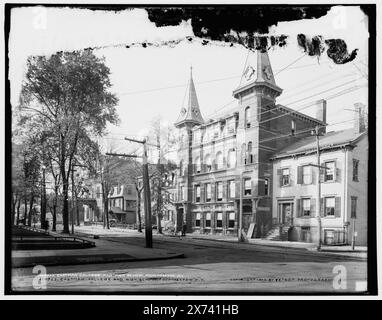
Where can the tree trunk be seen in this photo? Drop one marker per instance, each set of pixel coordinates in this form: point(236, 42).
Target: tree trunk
point(77, 213)
point(106, 215)
point(13, 210)
point(54, 217)
point(65, 211)
point(159, 222)
point(18, 211)
point(54, 222)
point(30, 211)
point(25, 211)
point(105, 207)
point(159, 209)
point(139, 218)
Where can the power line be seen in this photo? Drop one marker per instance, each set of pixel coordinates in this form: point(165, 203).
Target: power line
point(302, 100)
point(292, 63)
point(245, 64)
point(224, 106)
point(207, 81)
point(360, 71)
point(303, 131)
point(347, 90)
point(325, 83)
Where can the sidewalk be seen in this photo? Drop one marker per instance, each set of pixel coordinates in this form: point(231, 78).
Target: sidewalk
point(104, 252)
point(344, 250)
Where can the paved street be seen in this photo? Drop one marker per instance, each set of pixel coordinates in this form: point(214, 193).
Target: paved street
point(207, 266)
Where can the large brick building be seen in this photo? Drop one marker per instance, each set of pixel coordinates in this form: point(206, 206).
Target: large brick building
point(220, 157)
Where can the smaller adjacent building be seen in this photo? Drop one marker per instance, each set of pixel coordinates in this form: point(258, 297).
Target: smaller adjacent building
point(343, 173)
point(122, 203)
point(169, 220)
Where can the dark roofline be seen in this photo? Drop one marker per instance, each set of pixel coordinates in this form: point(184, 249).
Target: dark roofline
point(322, 148)
point(299, 114)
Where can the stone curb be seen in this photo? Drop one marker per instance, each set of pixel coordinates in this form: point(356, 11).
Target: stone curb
point(73, 260)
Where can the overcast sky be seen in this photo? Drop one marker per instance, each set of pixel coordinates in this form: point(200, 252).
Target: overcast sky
point(141, 76)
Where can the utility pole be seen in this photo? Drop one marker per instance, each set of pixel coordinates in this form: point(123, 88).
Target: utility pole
point(159, 190)
point(72, 211)
point(146, 189)
point(353, 235)
point(147, 202)
point(318, 214)
point(240, 236)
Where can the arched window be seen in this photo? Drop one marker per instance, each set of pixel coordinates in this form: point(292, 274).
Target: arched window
point(247, 117)
point(219, 160)
point(249, 152)
point(208, 163)
point(197, 165)
point(231, 163)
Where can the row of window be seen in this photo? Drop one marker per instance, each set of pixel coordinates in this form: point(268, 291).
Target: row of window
point(206, 222)
point(219, 190)
point(328, 173)
point(208, 165)
point(122, 204)
point(305, 174)
point(330, 207)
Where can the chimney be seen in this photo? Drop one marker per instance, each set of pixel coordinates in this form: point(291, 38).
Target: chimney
point(359, 118)
point(321, 113)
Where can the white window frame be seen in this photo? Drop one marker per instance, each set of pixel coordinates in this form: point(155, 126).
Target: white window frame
point(219, 193)
point(231, 214)
point(219, 214)
point(309, 175)
point(208, 218)
point(286, 175)
point(303, 207)
point(198, 218)
point(232, 185)
point(326, 206)
point(245, 190)
point(333, 173)
point(208, 192)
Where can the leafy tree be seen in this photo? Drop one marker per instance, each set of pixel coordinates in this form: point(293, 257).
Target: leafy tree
point(68, 95)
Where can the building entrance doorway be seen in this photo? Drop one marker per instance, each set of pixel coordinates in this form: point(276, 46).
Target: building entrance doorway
point(179, 219)
point(286, 213)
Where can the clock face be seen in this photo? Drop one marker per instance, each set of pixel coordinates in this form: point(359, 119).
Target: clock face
point(183, 111)
point(195, 110)
point(249, 72)
point(267, 73)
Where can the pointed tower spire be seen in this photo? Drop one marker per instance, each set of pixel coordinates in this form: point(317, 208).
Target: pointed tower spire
point(191, 114)
point(257, 74)
point(264, 69)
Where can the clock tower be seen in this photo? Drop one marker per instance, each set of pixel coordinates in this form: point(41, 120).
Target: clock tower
point(256, 96)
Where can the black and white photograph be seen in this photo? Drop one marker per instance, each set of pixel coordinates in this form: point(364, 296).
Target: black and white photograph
point(186, 149)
